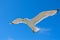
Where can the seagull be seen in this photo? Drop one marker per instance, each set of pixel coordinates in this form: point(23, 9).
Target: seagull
point(32, 22)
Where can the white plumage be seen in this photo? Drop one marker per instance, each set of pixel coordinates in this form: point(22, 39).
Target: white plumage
point(32, 22)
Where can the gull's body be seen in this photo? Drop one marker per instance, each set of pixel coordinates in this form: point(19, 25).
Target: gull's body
point(32, 22)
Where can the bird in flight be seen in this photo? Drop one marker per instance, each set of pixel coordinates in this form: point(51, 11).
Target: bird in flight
point(32, 22)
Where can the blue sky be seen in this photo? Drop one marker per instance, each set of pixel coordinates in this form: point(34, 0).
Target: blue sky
point(12, 9)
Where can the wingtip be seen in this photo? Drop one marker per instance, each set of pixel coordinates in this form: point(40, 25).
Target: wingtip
point(57, 10)
point(11, 23)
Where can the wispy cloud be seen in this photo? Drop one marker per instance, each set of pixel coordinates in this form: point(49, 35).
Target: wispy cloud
point(45, 31)
point(9, 38)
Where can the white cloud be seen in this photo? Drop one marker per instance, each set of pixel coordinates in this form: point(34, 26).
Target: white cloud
point(9, 38)
point(45, 31)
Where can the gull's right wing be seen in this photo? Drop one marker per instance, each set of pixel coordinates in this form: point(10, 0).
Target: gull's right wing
point(43, 15)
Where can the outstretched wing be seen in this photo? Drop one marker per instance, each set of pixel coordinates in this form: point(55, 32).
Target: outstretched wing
point(43, 15)
point(17, 21)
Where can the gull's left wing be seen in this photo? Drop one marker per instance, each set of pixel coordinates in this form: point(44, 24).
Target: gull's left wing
point(43, 15)
point(17, 21)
